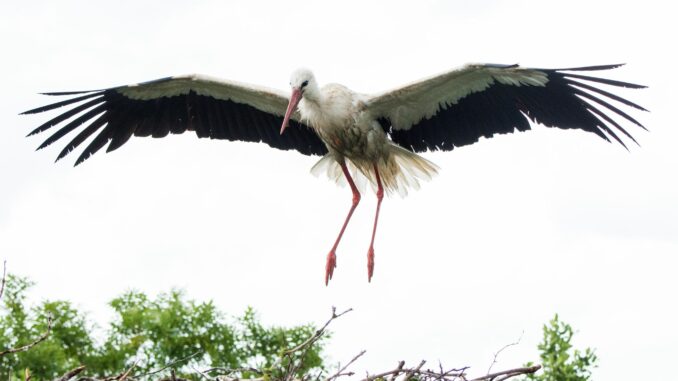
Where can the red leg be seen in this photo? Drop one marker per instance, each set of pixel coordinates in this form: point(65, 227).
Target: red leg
point(332, 256)
point(370, 252)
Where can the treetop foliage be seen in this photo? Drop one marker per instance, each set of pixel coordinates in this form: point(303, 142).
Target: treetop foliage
point(559, 360)
point(171, 333)
point(153, 331)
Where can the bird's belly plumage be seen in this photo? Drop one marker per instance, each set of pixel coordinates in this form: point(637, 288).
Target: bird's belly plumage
point(341, 124)
point(355, 142)
point(354, 138)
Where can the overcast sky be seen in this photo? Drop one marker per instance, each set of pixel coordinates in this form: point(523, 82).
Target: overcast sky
point(512, 231)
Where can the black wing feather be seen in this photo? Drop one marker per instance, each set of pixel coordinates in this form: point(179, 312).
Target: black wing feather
point(83, 135)
point(504, 108)
point(114, 118)
point(52, 106)
point(60, 118)
point(79, 121)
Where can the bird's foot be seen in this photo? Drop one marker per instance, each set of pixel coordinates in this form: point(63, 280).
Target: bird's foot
point(370, 263)
point(330, 266)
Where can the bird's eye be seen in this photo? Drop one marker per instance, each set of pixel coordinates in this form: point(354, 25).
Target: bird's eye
point(303, 84)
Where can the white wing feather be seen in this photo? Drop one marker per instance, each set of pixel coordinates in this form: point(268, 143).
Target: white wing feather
point(407, 105)
point(265, 99)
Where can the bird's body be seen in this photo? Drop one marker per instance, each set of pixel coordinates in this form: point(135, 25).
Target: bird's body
point(351, 134)
point(375, 136)
point(335, 115)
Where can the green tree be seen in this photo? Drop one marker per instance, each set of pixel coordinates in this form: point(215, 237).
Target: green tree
point(559, 360)
point(155, 331)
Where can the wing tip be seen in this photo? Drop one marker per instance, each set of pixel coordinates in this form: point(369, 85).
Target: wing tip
point(32, 111)
point(81, 159)
point(64, 152)
point(605, 81)
point(60, 93)
point(593, 67)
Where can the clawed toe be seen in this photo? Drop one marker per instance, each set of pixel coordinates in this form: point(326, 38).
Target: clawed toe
point(330, 266)
point(370, 264)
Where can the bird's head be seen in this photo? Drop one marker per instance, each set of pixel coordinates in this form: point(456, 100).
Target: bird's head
point(303, 85)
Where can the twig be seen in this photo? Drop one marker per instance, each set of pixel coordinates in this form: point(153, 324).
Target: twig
point(395, 374)
point(461, 373)
point(440, 366)
point(34, 343)
point(409, 372)
point(450, 375)
point(227, 378)
point(509, 373)
point(27, 374)
point(413, 371)
point(123, 377)
point(494, 359)
point(296, 362)
point(110, 378)
point(229, 370)
point(318, 333)
point(168, 365)
point(340, 372)
point(202, 374)
point(427, 374)
point(71, 373)
point(4, 277)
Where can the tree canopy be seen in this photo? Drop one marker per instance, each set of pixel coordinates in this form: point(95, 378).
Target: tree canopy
point(559, 360)
point(172, 332)
point(151, 330)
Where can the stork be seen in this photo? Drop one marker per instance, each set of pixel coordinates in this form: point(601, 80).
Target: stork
point(376, 137)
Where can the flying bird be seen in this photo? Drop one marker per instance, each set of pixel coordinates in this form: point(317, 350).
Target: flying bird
point(376, 137)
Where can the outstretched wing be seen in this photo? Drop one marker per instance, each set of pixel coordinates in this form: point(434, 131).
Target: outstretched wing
point(213, 108)
point(458, 107)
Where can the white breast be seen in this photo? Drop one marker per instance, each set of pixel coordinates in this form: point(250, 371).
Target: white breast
point(333, 110)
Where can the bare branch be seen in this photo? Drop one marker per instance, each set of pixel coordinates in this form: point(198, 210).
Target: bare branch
point(494, 359)
point(409, 372)
point(228, 371)
point(123, 377)
point(416, 370)
point(319, 332)
point(340, 372)
point(202, 374)
point(168, 365)
point(34, 343)
point(294, 359)
point(422, 374)
point(71, 373)
point(508, 373)
point(227, 378)
point(4, 278)
point(400, 366)
point(172, 379)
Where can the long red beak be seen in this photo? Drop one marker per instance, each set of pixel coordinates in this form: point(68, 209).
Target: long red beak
point(294, 101)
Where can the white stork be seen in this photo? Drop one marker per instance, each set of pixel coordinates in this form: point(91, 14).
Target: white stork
point(375, 136)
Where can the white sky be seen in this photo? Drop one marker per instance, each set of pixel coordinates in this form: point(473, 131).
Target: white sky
point(513, 230)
